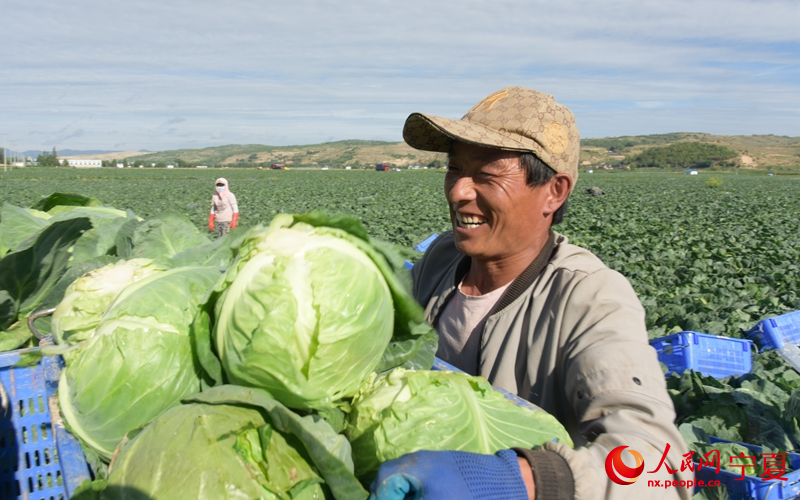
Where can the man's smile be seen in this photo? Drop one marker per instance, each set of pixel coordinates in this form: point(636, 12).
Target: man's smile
point(469, 221)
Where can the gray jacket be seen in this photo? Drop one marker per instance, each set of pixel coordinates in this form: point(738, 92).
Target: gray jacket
point(569, 336)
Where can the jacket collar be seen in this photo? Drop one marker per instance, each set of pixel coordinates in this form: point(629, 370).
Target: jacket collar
point(514, 290)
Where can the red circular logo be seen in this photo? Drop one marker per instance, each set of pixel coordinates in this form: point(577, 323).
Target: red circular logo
point(618, 471)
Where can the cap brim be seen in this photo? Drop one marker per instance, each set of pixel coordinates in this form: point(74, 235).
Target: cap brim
point(436, 133)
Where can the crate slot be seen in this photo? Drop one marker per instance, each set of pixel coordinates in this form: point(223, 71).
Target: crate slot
point(11, 489)
point(712, 355)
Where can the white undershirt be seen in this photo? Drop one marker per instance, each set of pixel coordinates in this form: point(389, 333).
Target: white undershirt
point(460, 326)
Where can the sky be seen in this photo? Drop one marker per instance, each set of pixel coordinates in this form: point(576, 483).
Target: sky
point(131, 75)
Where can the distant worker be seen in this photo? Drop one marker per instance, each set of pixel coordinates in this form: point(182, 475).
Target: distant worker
point(224, 210)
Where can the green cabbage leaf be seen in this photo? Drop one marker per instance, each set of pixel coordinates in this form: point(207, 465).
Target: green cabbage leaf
point(210, 452)
point(18, 224)
point(30, 272)
point(329, 451)
point(406, 411)
point(160, 237)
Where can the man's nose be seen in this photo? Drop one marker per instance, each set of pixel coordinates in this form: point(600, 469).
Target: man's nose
point(462, 190)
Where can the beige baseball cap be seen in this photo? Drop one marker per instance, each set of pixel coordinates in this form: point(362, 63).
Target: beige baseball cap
point(514, 119)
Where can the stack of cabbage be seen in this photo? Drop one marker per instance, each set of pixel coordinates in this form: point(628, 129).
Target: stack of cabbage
point(251, 378)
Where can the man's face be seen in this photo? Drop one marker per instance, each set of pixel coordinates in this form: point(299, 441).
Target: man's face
point(495, 214)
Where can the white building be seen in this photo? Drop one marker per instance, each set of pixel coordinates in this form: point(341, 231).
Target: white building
point(84, 163)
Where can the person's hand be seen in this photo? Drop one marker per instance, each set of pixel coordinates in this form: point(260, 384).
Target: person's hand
point(450, 475)
point(235, 220)
point(211, 222)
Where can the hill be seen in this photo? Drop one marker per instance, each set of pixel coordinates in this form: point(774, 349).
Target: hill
point(766, 152)
point(71, 152)
point(355, 153)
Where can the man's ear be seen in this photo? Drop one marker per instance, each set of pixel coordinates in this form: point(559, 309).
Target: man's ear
point(559, 188)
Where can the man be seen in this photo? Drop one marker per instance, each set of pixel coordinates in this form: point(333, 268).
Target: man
point(514, 302)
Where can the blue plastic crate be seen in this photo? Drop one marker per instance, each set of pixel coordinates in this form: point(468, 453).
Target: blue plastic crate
point(425, 244)
point(772, 333)
point(39, 459)
point(754, 487)
point(708, 354)
point(421, 248)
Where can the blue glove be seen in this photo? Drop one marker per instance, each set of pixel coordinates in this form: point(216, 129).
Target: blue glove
point(444, 475)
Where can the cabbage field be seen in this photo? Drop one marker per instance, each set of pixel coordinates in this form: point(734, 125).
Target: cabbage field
point(709, 254)
point(244, 360)
point(707, 258)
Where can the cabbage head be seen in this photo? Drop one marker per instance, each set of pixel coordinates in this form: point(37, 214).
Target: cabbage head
point(140, 361)
point(306, 314)
point(87, 298)
point(211, 452)
point(406, 411)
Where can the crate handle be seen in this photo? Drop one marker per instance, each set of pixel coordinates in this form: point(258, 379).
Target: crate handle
point(667, 346)
point(769, 490)
point(33, 317)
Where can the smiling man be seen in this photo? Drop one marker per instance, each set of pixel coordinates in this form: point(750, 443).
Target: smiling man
point(514, 302)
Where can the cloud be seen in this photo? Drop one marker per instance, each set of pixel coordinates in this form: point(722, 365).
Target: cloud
point(311, 70)
point(173, 121)
point(76, 133)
